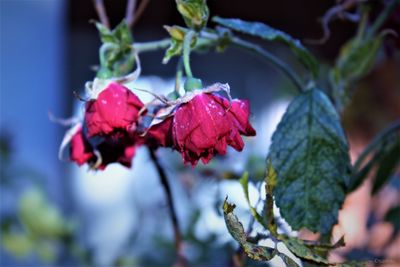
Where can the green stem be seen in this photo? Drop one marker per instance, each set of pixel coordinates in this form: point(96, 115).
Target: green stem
point(382, 17)
point(363, 24)
point(178, 76)
point(375, 142)
point(213, 40)
point(152, 46)
point(186, 52)
point(270, 58)
point(262, 52)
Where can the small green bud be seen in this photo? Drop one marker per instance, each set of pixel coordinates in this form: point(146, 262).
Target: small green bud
point(192, 83)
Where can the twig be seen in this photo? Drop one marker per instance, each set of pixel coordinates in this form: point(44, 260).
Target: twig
point(141, 8)
point(382, 17)
point(338, 10)
point(101, 12)
point(130, 12)
point(175, 223)
point(214, 39)
point(152, 46)
point(270, 58)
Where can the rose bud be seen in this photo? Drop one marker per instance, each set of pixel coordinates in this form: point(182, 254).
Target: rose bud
point(204, 126)
point(116, 108)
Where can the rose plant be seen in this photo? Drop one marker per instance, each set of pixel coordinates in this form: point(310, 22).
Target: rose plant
point(308, 170)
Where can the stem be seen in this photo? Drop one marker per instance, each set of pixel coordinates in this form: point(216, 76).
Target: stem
point(151, 46)
point(214, 39)
point(141, 8)
point(362, 25)
point(171, 206)
point(382, 17)
point(376, 141)
point(130, 12)
point(270, 58)
point(178, 77)
point(186, 52)
point(101, 12)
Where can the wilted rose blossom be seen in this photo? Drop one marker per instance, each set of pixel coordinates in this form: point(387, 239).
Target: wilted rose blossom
point(108, 134)
point(204, 127)
point(116, 108)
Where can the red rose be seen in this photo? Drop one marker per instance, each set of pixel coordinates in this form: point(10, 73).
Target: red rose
point(116, 108)
point(204, 126)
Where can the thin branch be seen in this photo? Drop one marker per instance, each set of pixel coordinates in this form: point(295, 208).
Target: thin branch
point(152, 46)
point(130, 12)
point(214, 39)
point(382, 17)
point(338, 11)
point(270, 58)
point(186, 52)
point(175, 223)
point(139, 12)
point(101, 12)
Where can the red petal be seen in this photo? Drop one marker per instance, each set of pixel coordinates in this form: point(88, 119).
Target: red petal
point(80, 151)
point(115, 108)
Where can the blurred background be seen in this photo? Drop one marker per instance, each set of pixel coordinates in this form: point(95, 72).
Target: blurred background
point(119, 217)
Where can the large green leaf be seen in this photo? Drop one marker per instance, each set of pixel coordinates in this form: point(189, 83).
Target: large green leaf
point(309, 152)
point(268, 33)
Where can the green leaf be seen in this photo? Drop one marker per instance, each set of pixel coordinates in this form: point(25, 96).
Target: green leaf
point(123, 34)
point(355, 61)
point(175, 49)
point(300, 250)
point(309, 152)
point(235, 228)
point(270, 183)
point(244, 181)
point(116, 57)
point(194, 12)
point(324, 247)
point(388, 165)
point(268, 33)
point(120, 35)
point(357, 58)
point(105, 34)
point(385, 157)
